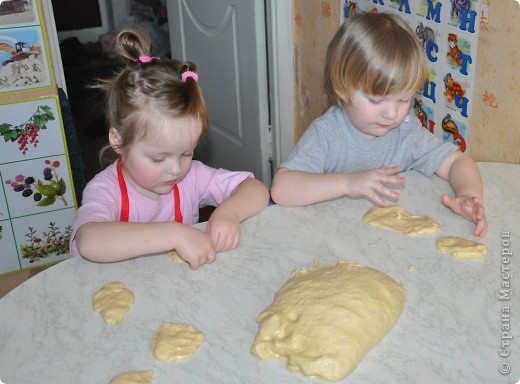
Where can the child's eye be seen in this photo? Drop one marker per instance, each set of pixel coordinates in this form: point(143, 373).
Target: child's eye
point(188, 154)
point(374, 101)
point(157, 160)
point(406, 100)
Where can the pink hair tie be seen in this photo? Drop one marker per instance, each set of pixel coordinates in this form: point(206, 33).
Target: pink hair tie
point(146, 59)
point(191, 74)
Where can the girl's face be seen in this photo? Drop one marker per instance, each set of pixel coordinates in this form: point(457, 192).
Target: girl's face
point(156, 163)
point(375, 116)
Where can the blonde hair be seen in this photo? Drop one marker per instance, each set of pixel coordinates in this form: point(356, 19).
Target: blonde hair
point(376, 53)
point(146, 87)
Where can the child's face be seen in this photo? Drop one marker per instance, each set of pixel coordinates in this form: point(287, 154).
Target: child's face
point(375, 116)
point(162, 159)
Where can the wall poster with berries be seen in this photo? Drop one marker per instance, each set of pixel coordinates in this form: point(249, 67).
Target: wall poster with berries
point(447, 30)
point(37, 203)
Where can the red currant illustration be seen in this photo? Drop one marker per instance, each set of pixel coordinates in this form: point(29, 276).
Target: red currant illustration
point(28, 132)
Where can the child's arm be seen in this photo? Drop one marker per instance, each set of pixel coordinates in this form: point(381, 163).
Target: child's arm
point(249, 198)
point(298, 188)
point(464, 177)
point(117, 241)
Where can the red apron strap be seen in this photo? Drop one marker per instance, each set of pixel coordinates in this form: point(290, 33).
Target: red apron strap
point(177, 204)
point(125, 205)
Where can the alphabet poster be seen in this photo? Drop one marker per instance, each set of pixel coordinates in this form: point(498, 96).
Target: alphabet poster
point(448, 32)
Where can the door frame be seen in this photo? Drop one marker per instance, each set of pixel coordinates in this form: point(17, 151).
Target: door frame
point(281, 78)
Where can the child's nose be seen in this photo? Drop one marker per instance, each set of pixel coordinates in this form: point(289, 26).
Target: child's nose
point(390, 111)
point(175, 167)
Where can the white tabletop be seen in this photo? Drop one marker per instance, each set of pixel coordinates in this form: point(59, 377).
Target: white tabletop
point(451, 329)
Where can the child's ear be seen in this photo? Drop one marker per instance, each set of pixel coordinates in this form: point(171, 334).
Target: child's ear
point(114, 138)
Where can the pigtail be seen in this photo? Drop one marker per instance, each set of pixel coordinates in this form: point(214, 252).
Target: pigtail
point(134, 47)
point(196, 106)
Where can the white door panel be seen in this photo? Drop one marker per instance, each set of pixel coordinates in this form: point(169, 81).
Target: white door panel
point(226, 40)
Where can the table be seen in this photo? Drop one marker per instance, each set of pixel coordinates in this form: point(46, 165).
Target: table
point(452, 329)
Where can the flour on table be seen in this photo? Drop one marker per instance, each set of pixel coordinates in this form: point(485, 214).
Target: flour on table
point(461, 248)
point(324, 320)
point(176, 342)
point(113, 301)
point(133, 377)
point(396, 218)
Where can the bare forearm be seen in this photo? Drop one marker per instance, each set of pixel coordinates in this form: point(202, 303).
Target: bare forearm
point(297, 188)
point(248, 199)
point(115, 241)
point(464, 177)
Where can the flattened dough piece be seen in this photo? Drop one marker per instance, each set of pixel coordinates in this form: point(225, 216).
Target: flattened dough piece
point(399, 219)
point(461, 248)
point(175, 256)
point(324, 320)
point(175, 342)
point(133, 377)
point(113, 301)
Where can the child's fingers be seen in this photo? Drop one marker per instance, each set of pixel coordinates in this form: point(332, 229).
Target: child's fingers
point(204, 258)
point(389, 170)
point(481, 228)
point(390, 175)
point(448, 202)
point(390, 193)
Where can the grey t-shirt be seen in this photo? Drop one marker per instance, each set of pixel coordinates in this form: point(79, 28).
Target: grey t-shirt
point(333, 144)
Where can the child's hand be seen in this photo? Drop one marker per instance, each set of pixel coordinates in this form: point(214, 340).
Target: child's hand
point(471, 209)
point(372, 183)
point(224, 230)
point(196, 248)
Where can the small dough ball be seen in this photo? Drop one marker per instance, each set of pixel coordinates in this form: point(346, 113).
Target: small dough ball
point(398, 219)
point(175, 342)
point(113, 301)
point(175, 256)
point(133, 377)
point(324, 320)
point(461, 248)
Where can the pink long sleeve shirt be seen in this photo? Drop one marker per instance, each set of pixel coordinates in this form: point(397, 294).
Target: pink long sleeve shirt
point(202, 186)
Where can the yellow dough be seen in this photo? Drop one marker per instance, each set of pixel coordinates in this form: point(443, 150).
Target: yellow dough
point(176, 342)
point(113, 301)
point(398, 219)
point(461, 248)
point(324, 320)
point(133, 377)
point(175, 256)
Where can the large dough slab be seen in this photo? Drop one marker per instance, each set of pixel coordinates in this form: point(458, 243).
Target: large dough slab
point(324, 320)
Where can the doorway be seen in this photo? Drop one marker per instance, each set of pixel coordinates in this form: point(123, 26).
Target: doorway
point(243, 51)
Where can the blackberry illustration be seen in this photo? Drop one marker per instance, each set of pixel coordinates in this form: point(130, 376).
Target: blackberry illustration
point(43, 193)
point(47, 173)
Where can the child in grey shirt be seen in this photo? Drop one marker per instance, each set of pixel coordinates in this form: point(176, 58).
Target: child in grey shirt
point(373, 67)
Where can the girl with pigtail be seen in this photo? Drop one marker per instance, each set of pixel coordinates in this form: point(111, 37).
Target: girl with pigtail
point(146, 200)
